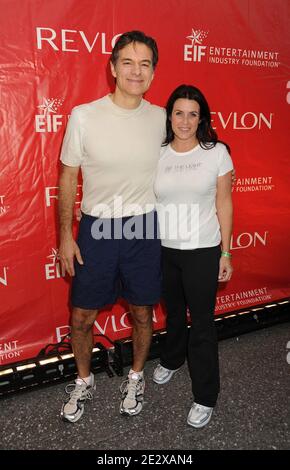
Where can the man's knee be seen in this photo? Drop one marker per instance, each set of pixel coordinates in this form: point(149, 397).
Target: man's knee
point(142, 316)
point(83, 320)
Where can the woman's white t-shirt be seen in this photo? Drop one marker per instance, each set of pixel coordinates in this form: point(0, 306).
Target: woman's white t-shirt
point(185, 188)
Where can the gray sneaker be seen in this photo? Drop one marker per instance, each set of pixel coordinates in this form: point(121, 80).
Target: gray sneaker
point(199, 415)
point(132, 390)
point(162, 375)
point(72, 410)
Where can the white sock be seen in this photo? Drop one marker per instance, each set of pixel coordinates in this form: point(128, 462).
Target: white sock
point(88, 380)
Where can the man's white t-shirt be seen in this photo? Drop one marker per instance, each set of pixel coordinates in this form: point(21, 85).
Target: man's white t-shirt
point(118, 151)
point(185, 188)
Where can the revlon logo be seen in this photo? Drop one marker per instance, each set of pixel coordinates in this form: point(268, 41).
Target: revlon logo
point(72, 40)
point(245, 240)
point(246, 121)
point(51, 195)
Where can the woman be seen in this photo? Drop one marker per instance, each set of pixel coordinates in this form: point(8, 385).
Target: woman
point(193, 190)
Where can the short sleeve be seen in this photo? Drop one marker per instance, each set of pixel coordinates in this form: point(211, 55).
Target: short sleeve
point(71, 151)
point(225, 161)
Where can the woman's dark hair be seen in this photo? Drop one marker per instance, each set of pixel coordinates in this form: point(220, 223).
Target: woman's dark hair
point(206, 135)
point(135, 36)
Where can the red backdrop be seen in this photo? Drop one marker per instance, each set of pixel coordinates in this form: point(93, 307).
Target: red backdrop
point(54, 55)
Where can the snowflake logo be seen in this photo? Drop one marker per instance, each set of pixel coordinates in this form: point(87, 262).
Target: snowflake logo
point(54, 255)
point(197, 36)
point(50, 105)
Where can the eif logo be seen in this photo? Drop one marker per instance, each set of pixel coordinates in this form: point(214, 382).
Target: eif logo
point(195, 51)
point(49, 120)
point(53, 269)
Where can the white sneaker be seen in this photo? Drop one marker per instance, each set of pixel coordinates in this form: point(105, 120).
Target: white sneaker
point(72, 410)
point(162, 375)
point(132, 390)
point(199, 415)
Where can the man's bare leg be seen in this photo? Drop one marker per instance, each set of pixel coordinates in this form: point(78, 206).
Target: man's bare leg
point(82, 338)
point(141, 335)
point(82, 344)
point(132, 395)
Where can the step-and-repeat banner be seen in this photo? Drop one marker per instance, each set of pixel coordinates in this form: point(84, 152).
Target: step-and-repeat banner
point(54, 55)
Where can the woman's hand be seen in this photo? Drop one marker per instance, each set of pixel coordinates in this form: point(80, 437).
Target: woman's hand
point(226, 269)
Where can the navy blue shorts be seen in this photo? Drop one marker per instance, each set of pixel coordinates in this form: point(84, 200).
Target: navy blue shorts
point(121, 259)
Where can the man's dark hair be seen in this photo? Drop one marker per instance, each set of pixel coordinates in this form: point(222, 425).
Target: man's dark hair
point(135, 36)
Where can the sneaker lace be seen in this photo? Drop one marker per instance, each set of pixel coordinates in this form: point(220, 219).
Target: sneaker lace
point(131, 387)
point(77, 391)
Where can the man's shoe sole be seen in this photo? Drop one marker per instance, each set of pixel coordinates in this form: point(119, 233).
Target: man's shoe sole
point(73, 419)
point(128, 412)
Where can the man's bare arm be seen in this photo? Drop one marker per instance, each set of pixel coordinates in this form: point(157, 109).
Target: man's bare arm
point(68, 249)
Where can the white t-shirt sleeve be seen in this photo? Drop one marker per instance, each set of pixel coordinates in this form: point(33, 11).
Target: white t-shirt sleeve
point(225, 163)
point(72, 151)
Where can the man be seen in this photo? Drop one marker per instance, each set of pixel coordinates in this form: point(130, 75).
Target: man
point(115, 141)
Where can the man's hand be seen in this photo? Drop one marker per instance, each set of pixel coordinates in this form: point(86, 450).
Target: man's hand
point(68, 248)
point(67, 251)
point(78, 214)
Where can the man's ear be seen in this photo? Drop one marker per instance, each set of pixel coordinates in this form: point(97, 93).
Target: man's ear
point(113, 71)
